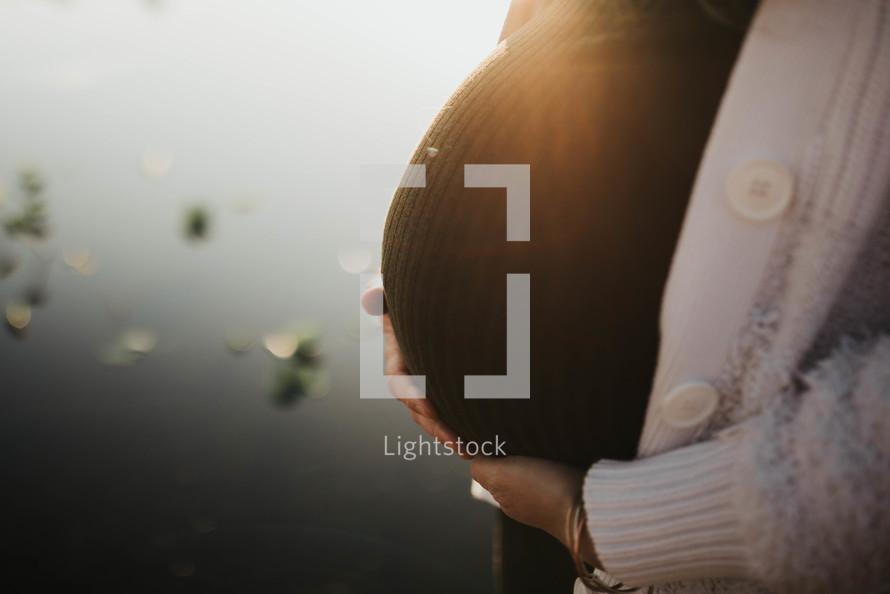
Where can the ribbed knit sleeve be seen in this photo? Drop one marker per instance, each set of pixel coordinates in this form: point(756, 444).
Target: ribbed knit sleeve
point(670, 517)
point(795, 498)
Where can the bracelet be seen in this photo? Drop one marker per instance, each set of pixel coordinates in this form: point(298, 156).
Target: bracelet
point(575, 522)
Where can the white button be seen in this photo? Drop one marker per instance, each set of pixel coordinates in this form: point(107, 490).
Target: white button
point(760, 190)
point(689, 404)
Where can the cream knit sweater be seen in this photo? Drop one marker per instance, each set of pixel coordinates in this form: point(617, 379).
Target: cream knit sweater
point(786, 486)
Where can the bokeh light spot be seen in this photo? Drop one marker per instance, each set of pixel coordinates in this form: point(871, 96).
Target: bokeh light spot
point(282, 345)
point(139, 340)
point(156, 163)
point(81, 260)
point(238, 340)
point(18, 314)
point(354, 259)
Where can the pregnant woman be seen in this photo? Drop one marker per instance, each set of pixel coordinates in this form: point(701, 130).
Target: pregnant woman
point(723, 393)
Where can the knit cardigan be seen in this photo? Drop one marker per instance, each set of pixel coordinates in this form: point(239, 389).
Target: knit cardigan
point(786, 486)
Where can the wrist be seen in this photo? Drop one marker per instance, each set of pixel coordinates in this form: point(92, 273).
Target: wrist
point(574, 519)
point(588, 551)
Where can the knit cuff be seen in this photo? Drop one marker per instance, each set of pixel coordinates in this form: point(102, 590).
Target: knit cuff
point(669, 517)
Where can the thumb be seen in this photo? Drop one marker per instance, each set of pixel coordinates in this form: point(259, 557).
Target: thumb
point(374, 299)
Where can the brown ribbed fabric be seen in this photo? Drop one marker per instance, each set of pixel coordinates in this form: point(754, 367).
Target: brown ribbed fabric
point(611, 107)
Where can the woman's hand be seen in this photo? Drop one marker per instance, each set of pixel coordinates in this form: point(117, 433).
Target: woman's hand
point(398, 378)
point(536, 492)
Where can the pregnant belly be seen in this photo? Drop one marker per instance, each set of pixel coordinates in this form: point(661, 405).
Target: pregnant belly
point(612, 133)
point(590, 364)
point(593, 316)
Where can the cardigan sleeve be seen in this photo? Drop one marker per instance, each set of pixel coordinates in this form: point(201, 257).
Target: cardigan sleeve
point(795, 498)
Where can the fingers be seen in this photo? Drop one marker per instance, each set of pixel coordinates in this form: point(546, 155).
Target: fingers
point(533, 491)
point(407, 392)
point(397, 375)
point(395, 362)
point(400, 383)
point(373, 299)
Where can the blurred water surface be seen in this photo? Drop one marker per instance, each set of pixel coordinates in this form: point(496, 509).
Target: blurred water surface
point(179, 402)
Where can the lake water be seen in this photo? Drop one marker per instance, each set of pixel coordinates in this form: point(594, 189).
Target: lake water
point(191, 169)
